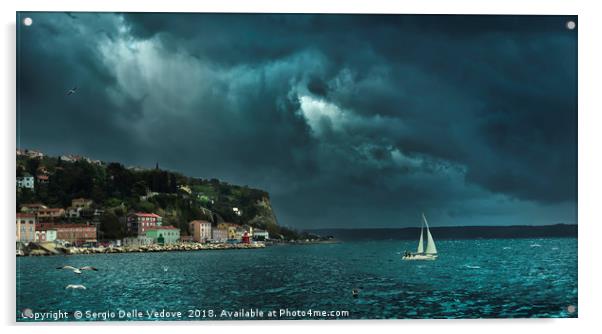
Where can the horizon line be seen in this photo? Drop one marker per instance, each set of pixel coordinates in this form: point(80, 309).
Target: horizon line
point(436, 227)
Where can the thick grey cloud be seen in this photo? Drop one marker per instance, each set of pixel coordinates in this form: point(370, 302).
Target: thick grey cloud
point(347, 120)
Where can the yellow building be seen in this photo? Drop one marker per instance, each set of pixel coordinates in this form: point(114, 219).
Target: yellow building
point(231, 228)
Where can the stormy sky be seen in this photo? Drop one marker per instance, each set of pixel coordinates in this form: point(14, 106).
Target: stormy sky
point(346, 120)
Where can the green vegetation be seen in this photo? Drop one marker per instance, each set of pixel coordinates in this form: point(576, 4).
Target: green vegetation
point(119, 190)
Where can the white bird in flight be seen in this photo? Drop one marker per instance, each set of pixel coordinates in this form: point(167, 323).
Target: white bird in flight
point(71, 91)
point(78, 270)
point(75, 286)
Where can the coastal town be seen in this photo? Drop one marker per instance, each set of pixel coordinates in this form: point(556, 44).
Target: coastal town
point(43, 231)
point(119, 225)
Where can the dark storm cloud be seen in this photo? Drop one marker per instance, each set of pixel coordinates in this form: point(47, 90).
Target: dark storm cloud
point(356, 120)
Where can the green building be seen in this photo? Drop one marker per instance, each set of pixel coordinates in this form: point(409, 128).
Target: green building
point(164, 235)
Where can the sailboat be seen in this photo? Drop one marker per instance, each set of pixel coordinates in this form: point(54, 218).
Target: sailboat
point(431, 249)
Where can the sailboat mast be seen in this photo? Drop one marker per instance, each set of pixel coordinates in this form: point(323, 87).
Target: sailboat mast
point(430, 247)
point(421, 243)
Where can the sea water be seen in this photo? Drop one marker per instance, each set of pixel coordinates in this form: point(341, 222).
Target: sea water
point(485, 278)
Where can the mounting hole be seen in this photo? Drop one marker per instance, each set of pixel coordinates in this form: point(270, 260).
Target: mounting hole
point(570, 25)
point(27, 21)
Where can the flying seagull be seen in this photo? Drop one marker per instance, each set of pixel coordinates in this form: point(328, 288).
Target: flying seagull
point(77, 270)
point(75, 286)
point(71, 91)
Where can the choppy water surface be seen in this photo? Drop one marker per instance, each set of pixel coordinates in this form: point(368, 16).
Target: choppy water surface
point(471, 279)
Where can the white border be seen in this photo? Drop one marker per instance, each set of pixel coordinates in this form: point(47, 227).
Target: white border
point(589, 24)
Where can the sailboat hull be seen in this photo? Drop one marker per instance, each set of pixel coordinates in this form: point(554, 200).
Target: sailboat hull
point(419, 257)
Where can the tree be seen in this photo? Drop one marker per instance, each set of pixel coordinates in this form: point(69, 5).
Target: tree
point(111, 227)
point(32, 166)
point(140, 188)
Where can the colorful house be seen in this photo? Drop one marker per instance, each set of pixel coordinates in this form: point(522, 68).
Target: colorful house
point(200, 230)
point(219, 234)
point(163, 235)
point(26, 227)
point(231, 228)
point(138, 223)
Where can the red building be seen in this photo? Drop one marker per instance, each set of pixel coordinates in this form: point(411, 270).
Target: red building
point(138, 223)
point(73, 233)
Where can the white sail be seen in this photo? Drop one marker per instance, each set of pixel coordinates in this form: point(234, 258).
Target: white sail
point(430, 246)
point(420, 244)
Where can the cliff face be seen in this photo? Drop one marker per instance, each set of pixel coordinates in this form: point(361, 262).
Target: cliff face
point(265, 217)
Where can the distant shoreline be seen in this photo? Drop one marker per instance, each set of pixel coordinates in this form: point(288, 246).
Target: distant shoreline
point(453, 232)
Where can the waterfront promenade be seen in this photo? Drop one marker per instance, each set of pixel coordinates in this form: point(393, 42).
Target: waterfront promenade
point(49, 249)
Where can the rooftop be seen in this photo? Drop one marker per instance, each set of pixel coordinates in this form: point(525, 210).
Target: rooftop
point(199, 222)
point(144, 214)
point(34, 205)
point(53, 226)
point(162, 228)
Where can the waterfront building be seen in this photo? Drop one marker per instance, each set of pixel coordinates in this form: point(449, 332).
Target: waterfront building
point(164, 235)
point(241, 231)
point(73, 233)
point(25, 181)
point(260, 235)
point(138, 223)
point(233, 230)
point(219, 234)
point(141, 240)
point(200, 230)
point(45, 235)
point(26, 227)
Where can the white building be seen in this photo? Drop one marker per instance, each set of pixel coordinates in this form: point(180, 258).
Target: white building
point(260, 234)
point(47, 235)
point(140, 240)
point(73, 212)
point(25, 182)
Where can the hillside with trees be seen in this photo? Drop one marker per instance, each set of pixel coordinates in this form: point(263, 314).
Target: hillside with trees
point(118, 190)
